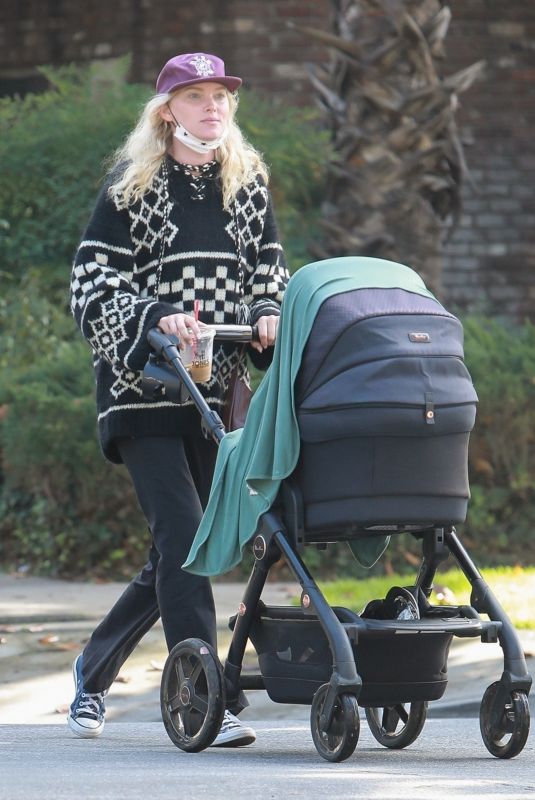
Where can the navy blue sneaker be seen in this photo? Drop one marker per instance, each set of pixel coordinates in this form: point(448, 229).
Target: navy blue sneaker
point(86, 714)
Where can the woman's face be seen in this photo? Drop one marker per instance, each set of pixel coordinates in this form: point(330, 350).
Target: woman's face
point(203, 109)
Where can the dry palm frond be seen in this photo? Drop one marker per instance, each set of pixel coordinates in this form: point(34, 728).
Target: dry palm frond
point(394, 185)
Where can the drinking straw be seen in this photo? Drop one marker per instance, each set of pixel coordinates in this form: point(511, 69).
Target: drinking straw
point(196, 304)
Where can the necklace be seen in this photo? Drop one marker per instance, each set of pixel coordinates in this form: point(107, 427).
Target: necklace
point(209, 170)
point(197, 176)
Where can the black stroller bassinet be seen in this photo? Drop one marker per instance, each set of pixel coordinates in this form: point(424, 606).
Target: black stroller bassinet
point(385, 406)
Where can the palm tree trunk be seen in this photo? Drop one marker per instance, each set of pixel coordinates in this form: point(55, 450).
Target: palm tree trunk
point(395, 181)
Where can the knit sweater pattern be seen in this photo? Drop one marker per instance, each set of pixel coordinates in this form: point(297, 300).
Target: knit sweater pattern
point(140, 262)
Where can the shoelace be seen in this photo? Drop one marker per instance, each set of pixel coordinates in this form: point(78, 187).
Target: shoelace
point(91, 704)
point(229, 722)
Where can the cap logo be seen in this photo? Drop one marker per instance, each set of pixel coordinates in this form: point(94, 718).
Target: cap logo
point(203, 66)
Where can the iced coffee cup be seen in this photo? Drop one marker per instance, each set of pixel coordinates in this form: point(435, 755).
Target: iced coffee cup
point(197, 356)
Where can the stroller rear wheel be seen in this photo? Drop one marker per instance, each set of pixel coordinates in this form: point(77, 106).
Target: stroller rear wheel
point(396, 726)
point(338, 741)
point(504, 734)
point(192, 695)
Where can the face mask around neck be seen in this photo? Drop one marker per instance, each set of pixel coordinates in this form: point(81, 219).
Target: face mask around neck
point(195, 144)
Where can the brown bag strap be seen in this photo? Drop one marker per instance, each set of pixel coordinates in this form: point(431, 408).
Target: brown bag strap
point(237, 400)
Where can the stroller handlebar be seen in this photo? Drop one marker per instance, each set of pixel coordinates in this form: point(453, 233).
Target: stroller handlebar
point(236, 333)
point(161, 342)
point(173, 379)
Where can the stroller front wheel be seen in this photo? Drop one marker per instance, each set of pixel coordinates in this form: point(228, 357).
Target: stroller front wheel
point(338, 741)
point(192, 695)
point(504, 731)
point(396, 726)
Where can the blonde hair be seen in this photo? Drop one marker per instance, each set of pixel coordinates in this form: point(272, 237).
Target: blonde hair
point(138, 160)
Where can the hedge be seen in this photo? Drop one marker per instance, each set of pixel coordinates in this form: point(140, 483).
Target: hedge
point(63, 509)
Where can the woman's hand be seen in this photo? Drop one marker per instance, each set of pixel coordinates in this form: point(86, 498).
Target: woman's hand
point(182, 325)
point(267, 332)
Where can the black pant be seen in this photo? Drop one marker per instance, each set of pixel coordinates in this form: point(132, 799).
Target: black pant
point(172, 478)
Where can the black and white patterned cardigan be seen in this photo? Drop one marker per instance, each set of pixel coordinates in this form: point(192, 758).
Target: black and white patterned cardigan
point(139, 263)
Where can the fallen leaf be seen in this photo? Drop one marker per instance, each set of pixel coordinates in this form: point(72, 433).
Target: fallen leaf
point(122, 678)
point(35, 628)
point(445, 596)
point(62, 709)
point(157, 665)
point(51, 638)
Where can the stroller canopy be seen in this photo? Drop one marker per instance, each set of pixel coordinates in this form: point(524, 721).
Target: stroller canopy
point(362, 352)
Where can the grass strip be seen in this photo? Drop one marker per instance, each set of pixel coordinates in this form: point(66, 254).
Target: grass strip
point(514, 588)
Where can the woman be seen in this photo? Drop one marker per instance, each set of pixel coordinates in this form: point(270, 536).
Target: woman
point(184, 224)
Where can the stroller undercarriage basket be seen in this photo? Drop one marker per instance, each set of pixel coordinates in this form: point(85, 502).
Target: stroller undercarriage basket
point(403, 665)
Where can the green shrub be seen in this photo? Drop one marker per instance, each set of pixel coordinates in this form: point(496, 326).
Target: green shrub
point(53, 147)
point(33, 318)
point(63, 509)
point(501, 517)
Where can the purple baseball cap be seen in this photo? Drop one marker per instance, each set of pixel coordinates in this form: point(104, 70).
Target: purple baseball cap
point(192, 68)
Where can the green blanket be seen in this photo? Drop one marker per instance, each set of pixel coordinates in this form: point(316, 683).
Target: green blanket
point(252, 462)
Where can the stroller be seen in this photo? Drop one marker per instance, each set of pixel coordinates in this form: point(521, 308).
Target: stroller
point(384, 406)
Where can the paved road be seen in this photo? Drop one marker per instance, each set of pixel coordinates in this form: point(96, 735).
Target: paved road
point(138, 761)
point(46, 622)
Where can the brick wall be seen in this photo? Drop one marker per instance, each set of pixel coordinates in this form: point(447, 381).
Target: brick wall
point(34, 32)
point(490, 259)
point(252, 37)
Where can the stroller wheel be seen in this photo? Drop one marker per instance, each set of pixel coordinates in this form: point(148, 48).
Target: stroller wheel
point(192, 695)
point(339, 740)
point(504, 731)
point(396, 726)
